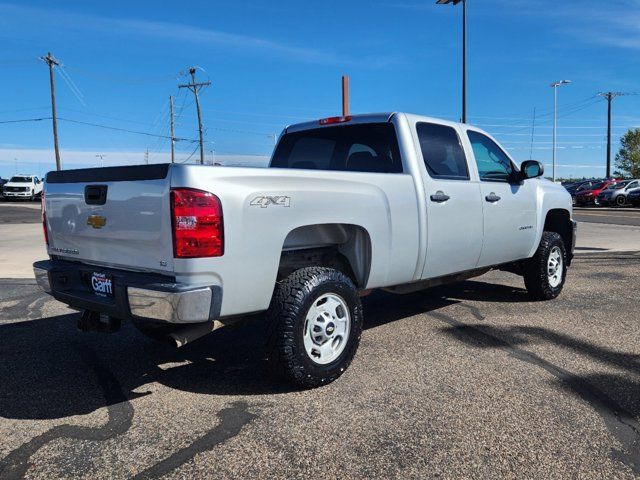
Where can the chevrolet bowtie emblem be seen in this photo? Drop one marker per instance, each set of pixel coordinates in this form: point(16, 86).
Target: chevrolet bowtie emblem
point(96, 221)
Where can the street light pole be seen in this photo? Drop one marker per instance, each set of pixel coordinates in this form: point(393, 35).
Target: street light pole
point(464, 52)
point(464, 61)
point(555, 86)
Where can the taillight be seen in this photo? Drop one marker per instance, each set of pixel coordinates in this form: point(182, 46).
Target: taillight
point(44, 218)
point(332, 120)
point(198, 230)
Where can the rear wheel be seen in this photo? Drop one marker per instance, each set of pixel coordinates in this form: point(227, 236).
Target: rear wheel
point(545, 272)
point(315, 321)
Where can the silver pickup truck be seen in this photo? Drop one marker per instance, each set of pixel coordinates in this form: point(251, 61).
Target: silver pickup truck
point(348, 204)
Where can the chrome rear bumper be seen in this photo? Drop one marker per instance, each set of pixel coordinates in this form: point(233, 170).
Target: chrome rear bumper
point(136, 296)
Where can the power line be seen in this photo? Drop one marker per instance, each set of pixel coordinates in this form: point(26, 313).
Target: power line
point(25, 120)
point(192, 154)
point(148, 134)
point(72, 86)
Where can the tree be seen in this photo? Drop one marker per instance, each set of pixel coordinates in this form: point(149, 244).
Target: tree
point(628, 158)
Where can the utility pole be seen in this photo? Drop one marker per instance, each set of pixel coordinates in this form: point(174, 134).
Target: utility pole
point(101, 157)
point(194, 87)
point(610, 96)
point(172, 138)
point(146, 156)
point(51, 61)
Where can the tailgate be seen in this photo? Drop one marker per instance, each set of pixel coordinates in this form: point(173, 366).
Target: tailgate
point(117, 216)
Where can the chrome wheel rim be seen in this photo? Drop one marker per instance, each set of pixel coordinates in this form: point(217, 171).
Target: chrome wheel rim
point(326, 328)
point(554, 267)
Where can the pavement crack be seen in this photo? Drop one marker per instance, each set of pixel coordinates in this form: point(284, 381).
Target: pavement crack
point(119, 409)
point(620, 423)
point(232, 420)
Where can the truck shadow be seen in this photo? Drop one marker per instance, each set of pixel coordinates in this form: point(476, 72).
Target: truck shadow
point(615, 397)
point(50, 370)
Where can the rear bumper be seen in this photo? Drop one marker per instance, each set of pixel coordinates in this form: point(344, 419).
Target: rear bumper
point(136, 296)
point(574, 226)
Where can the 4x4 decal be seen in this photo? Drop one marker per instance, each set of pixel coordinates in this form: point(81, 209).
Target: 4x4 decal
point(265, 201)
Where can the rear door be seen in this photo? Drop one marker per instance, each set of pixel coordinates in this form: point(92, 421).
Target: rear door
point(509, 209)
point(116, 216)
point(454, 211)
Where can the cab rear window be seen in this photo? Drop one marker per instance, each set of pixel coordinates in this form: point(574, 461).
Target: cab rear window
point(370, 147)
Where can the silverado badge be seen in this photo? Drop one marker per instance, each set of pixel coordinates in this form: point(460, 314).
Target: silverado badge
point(96, 221)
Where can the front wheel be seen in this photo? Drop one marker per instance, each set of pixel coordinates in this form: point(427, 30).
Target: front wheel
point(621, 200)
point(315, 320)
point(545, 272)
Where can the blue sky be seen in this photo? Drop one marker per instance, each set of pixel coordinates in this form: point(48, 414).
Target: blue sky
point(277, 63)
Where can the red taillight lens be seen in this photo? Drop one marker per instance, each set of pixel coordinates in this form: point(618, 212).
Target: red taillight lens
point(198, 229)
point(331, 120)
point(44, 218)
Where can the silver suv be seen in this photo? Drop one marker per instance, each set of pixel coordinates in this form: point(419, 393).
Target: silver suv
point(616, 194)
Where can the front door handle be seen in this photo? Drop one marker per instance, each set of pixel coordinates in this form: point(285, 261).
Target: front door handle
point(492, 198)
point(439, 197)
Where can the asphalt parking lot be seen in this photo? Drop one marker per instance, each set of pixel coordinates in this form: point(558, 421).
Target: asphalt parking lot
point(465, 381)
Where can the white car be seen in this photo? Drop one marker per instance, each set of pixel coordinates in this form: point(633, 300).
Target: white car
point(393, 201)
point(23, 186)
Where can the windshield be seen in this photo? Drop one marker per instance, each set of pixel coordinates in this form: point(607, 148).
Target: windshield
point(20, 179)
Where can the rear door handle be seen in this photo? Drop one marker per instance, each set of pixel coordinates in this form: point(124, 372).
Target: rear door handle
point(492, 198)
point(439, 197)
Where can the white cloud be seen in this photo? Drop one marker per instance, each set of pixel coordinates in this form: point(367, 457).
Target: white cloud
point(168, 31)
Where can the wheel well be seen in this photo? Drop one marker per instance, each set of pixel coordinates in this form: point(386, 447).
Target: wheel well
point(344, 247)
point(559, 221)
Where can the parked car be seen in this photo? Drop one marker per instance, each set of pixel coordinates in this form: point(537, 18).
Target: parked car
point(634, 198)
point(3, 181)
point(27, 187)
point(347, 205)
point(589, 196)
point(575, 188)
point(616, 193)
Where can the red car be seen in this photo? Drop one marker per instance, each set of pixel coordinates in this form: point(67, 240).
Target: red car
point(590, 197)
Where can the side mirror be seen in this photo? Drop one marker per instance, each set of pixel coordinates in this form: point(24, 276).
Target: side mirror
point(531, 169)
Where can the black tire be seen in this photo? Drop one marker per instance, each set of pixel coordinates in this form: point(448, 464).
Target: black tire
point(292, 299)
point(621, 200)
point(596, 202)
point(536, 277)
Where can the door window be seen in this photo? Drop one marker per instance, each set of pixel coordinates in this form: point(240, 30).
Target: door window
point(442, 152)
point(493, 163)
